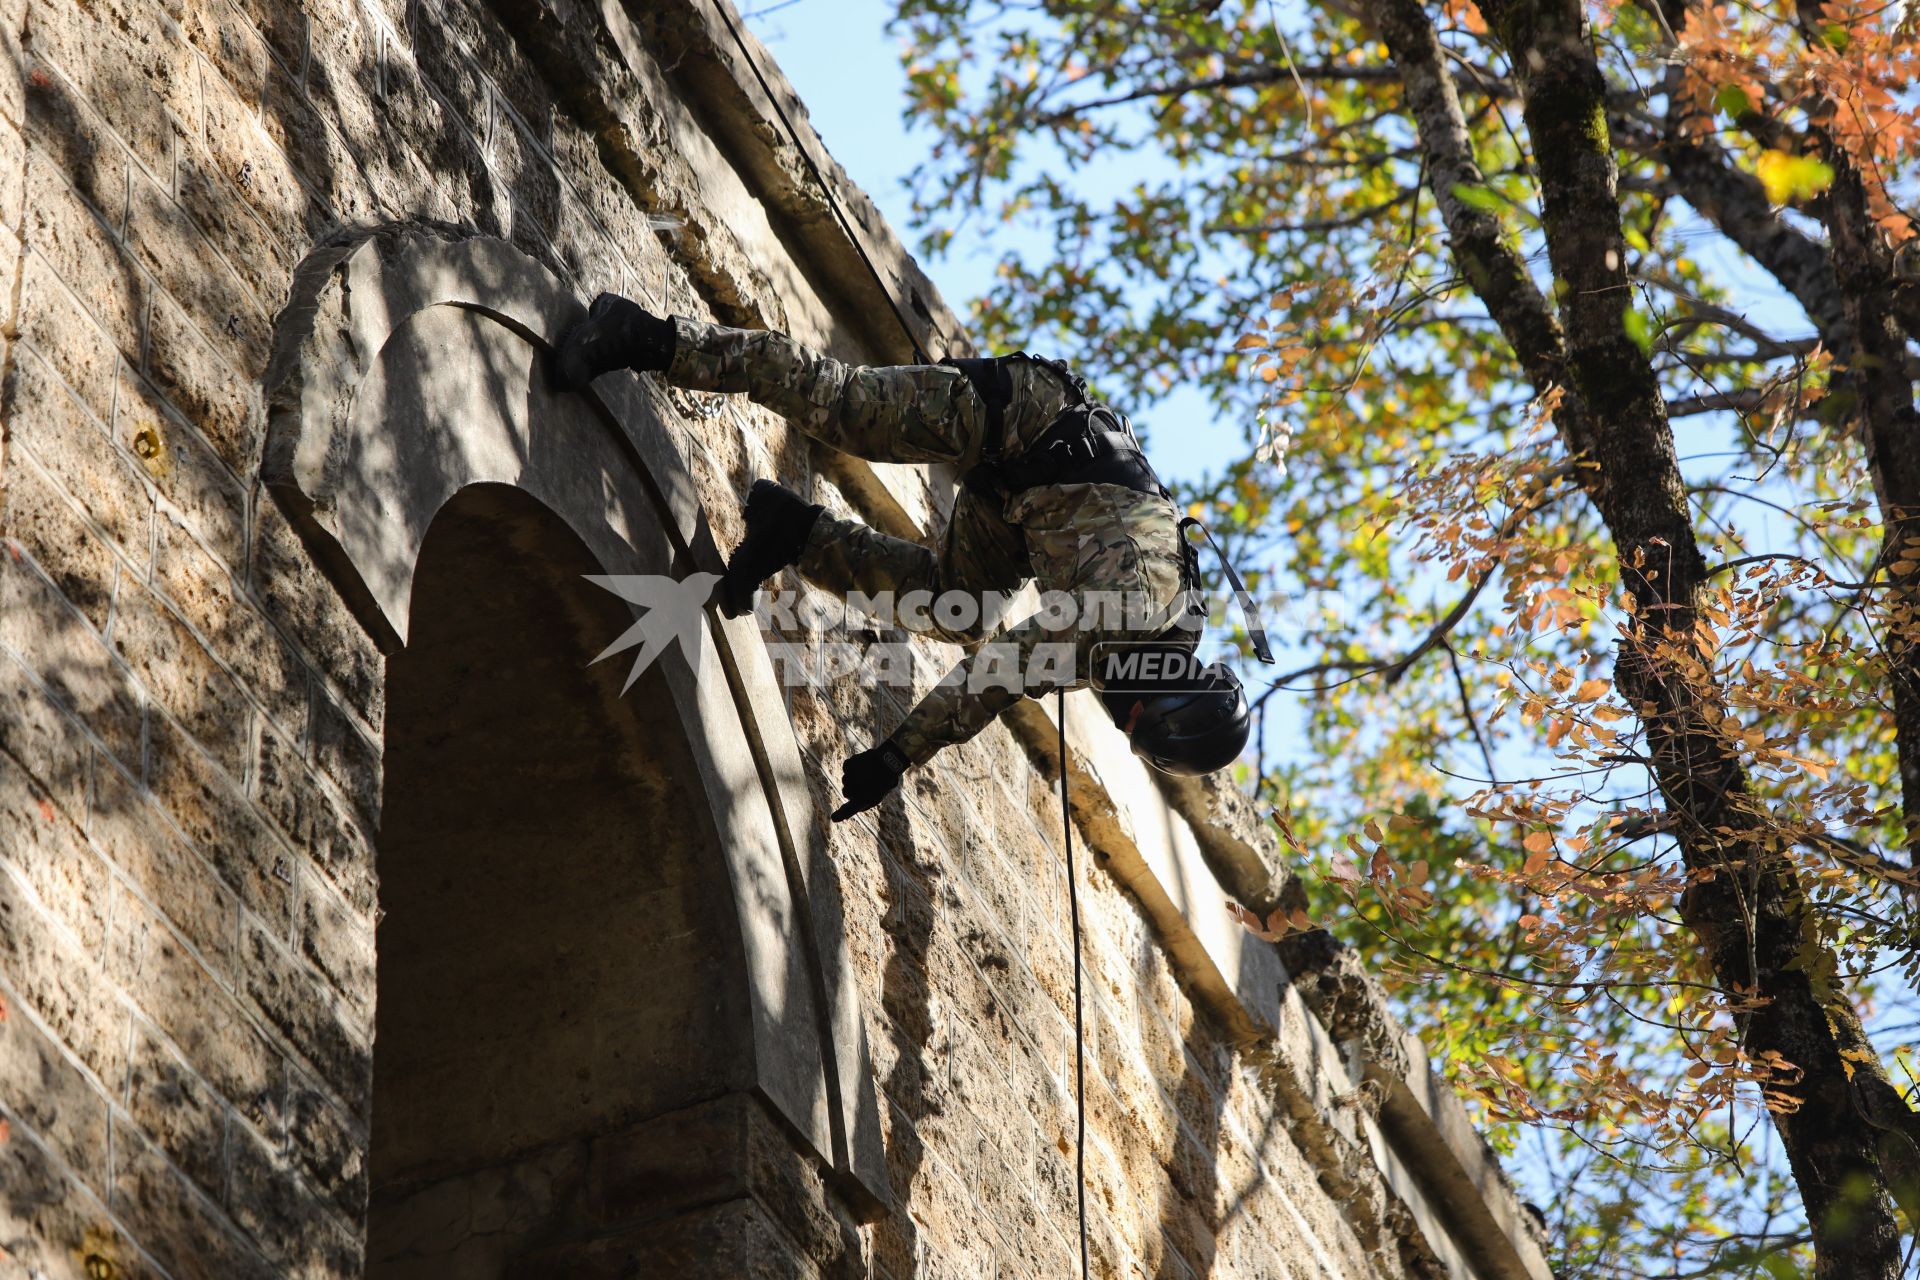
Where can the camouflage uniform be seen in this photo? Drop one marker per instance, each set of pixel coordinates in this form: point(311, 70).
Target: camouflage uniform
point(1074, 538)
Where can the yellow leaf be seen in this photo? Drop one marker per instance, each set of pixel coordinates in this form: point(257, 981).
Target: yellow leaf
point(1788, 178)
point(1591, 691)
point(1250, 341)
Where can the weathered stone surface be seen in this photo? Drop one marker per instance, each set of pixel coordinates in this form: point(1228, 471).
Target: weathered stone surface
point(209, 807)
point(200, 386)
point(84, 253)
point(53, 325)
point(172, 1105)
point(49, 1225)
point(181, 676)
point(193, 1010)
point(41, 1089)
point(79, 456)
point(173, 1220)
point(126, 824)
point(68, 658)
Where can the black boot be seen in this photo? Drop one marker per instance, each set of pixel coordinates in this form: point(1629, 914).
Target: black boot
point(778, 522)
point(617, 334)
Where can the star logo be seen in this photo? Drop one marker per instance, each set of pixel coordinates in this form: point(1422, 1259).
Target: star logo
point(673, 608)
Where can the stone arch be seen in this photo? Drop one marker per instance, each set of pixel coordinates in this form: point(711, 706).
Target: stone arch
point(409, 375)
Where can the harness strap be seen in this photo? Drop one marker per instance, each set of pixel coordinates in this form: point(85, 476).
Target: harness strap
point(1255, 631)
point(993, 383)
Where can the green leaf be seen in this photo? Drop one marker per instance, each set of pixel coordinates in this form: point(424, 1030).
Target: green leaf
point(1639, 328)
point(1481, 198)
point(1733, 100)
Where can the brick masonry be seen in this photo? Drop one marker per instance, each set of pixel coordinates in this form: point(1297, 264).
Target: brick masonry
point(191, 719)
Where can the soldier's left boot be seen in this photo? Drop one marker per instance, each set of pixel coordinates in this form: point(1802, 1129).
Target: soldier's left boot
point(617, 334)
point(778, 522)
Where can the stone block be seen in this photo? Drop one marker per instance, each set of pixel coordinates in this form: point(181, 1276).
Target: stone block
point(59, 124)
point(181, 676)
point(285, 1217)
point(12, 173)
point(262, 262)
point(84, 254)
point(43, 525)
point(437, 55)
point(203, 591)
point(66, 988)
point(338, 941)
point(33, 728)
point(183, 999)
point(348, 757)
point(203, 388)
point(182, 468)
point(69, 658)
point(198, 278)
point(52, 323)
point(176, 1109)
point(49, 1225)
point(79, 455)
point(297, 1003)
point(526, 169)
point(210, 808)
point(283, 27)
point(41, 1088)
point(47, 851)
point(252, 165)
point(734, 1239)
point(289, 794)
point(126, 824)
point(301, 600)
point(181, 1227)
point(328, 1148)
point(236, 53)
point(131, 65)
point(316, 152)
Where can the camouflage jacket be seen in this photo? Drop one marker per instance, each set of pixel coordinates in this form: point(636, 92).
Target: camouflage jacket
point(1113, 554)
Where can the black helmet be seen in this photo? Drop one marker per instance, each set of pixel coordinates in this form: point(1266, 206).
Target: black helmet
point(1196, 730)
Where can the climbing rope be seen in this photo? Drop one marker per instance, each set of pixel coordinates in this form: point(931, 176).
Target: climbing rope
point(1079, 1039)
point(919, 355)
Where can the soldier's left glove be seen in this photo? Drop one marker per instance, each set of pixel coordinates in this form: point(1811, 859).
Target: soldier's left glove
point(867, 778)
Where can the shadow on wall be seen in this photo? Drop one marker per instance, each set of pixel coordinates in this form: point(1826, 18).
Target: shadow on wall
point(556, 960)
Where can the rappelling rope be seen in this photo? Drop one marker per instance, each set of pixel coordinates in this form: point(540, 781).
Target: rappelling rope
point(1079, 1039)
point(919, 355)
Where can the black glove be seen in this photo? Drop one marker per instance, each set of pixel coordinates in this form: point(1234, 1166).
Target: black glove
point(617, 334)
point(868, 777)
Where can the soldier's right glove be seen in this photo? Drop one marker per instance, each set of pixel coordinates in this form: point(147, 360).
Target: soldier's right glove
point(867, 778)
point(617, 334)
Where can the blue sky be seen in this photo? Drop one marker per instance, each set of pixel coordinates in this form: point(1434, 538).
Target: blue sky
point(847, 70)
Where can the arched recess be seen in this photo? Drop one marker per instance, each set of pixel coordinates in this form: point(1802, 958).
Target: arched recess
point(410, 369)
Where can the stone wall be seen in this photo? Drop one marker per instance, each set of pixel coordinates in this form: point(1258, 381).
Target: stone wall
point(206, 581)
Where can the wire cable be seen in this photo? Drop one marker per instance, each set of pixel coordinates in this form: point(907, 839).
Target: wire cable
point(1079, 1038)
point(919, 354)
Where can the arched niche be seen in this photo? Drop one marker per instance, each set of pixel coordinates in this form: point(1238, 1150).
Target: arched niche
point(408, 399)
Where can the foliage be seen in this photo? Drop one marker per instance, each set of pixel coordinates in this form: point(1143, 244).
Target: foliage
point(1483, 798)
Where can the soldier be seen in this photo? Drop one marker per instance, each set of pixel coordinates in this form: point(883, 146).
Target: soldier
point(1057, 490)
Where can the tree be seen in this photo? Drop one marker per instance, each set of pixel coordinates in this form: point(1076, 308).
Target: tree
point(1656, 799)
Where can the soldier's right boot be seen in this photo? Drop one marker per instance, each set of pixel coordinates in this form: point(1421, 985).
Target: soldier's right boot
point(778, 522)
point(617, 334)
